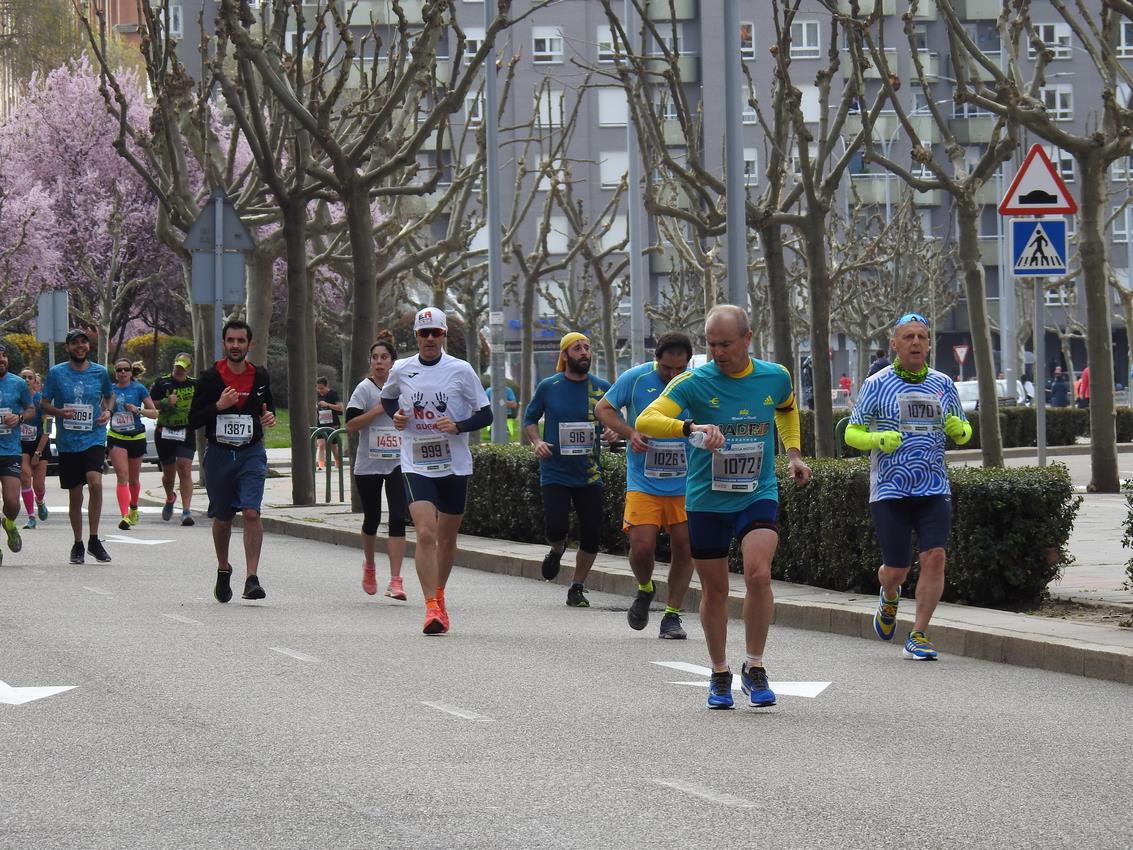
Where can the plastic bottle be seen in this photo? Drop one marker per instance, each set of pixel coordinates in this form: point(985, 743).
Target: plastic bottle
point(697, 439)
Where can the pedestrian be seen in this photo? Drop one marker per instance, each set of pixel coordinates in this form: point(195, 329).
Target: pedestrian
point(126, 437)
point(737, 406)
point(435, 400)
point(35, 451)
point(328, 411)
point(16, 409)
point(378, 464)
point(233, 403)
point(656, 471)
point(879, 363)
point(1058, 390)
point(72, 393)
point(175, 441)
point(901, 419)
point(568, 450)
point(1082, 389)
point(511, 405)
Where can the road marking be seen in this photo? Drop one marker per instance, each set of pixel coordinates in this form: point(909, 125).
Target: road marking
point(458, 712)
point(181, 619)
point(136, 541)
point(98, 590)
point(708, 794)
point(34, 570)
point(789, 689)
point(11, 695)
point(299, 656)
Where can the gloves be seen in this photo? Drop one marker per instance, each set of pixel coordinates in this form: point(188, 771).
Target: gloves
point(887, 441)
point(957, 429)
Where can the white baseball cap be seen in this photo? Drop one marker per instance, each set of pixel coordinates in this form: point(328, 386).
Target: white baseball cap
point(430, 317)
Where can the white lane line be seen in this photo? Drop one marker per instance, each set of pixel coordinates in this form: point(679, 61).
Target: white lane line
point(458, 712)
point(299, 656)
point(790, 689)
point(709, 794)
point(178, 618)
point(98, 590)
point(685, 667)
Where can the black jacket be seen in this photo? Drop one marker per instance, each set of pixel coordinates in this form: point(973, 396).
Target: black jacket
point(209, 387)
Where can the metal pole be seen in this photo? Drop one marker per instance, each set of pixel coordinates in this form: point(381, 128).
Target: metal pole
point(1039, 345)
point(495, 261)
point(218, 269)
point(1008, 320)
point(638, 280)
point(734, 159)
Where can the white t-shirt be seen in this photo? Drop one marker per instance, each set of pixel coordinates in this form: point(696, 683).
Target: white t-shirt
point(447, 388)
point(378, 442)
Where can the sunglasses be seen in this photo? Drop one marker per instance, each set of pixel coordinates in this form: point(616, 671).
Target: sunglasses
point(122, 369)
point(912, 317)
point(432, 333)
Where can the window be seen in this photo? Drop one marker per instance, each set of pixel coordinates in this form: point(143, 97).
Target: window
point(747, 40)
point(672, 38)
point(751, 166)
point(1059, 101)
point(618, 232)
point(804, 40)
point(1120, 226)
point(749, 115)
point(558, 237)
point(469, 160)
point(1122, 169)
point(810, 104)
point(473, 39)
point(549, 108)
point(1063, 162)
point(1060, 296)
point(607, 48)
point(968, 110)
point(176, 20)
point(613, 166)
point(474, 110)
point(613, 108)
point(666, 108)
point(1054, 36)
point(920, 37)
point(1125, 41)
point(919, 168)
point(546, 45)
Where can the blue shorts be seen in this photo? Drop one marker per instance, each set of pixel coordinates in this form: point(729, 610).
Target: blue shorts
point(449, 493)
point(895, 520)
point(710, 534)
point(234, 479)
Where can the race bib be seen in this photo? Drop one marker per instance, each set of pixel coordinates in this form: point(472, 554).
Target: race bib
point(919, 413)
point(666, 460)
point(123, 422)
point(326, 416)
point(81, 418)
point(176, 435)
point(736, 469)
point(234, 429)
point(576, 438)
point(385, 444)
point(432, 454)
point(28, 432)
point(4, 429)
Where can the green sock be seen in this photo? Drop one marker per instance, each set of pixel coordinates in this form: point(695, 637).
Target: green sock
point(647, 587)
point(669, 609)
point(8, 524)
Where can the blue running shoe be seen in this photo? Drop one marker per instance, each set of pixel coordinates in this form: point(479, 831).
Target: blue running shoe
point(41, 509)
point(753, 681)
point(918, 647)
point(885, 618)
point(720, 690)
point(167, 511)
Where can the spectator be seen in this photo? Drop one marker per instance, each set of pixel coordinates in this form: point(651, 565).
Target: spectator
point(1082, 388)
point(844, 383)
point(879, 363)
point(1058, 390)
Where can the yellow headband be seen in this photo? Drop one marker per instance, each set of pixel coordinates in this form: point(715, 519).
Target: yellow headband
point(565, 343)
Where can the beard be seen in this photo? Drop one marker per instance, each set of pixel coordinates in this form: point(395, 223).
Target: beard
point(580, 366)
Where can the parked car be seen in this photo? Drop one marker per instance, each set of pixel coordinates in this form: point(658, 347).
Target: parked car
point(151, 447)
point(969, 392)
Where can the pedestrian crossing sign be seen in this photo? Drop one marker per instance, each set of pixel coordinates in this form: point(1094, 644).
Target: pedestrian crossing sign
point(1038, 247)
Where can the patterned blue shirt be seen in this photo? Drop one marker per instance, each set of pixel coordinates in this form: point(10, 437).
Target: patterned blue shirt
point(917, 411)
point(15, 398)
point(86, 389)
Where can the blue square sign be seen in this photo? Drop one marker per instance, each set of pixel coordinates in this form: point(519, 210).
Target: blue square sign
point(1038, 247)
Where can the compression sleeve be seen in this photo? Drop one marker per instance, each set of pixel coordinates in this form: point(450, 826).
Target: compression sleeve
point(858, 436)
point(790, 432)
point(659, 419)
point(482, 418)
point(390, 406)
point(352, 412)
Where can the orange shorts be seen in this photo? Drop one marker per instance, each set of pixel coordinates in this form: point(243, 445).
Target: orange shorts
point(645, 509)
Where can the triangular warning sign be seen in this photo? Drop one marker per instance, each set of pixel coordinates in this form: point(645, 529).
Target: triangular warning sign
point(1037, 189)
point(1039, 251)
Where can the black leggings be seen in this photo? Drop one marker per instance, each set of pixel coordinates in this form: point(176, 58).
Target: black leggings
point(587, 502)
point(370, 492)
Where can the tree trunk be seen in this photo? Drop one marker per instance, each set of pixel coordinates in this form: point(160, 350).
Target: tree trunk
point(301, 353)
point(781, 335)
point(259, 302)
point(814, 237)
point(360, 222)
point(608, 319)
point(991, 443)
point(526, 347)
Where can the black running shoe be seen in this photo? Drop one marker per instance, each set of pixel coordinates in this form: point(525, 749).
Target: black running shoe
point(638, 614)
point(551, 565)
point(95, 547)
point(78, 553)
point(124, 524)
point(167, 511)
point(223, 590)
point(576, 597)
point(187, 519)
point(671, 628)
point(252, 589)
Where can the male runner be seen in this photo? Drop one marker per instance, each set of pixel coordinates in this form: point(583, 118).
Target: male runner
point(737, 403)
point(72, 393)
point(655, 481)
point(233, 404)
point(901, 418)
point(175, 440)
point(568, 459)
point(15, 408)
point(436, 400)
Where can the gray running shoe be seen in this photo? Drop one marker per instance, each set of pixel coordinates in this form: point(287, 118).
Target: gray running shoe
point(671, 628)
point(638, 613)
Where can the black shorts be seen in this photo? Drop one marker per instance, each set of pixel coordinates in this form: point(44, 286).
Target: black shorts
point(169, 450)
point(895, 520)
point(710, 534)
point(370, 493)
point(134, 448)
point(74, 466)
point(11, 466)
point(587, 502)
point(30, 447)
point(449, 493)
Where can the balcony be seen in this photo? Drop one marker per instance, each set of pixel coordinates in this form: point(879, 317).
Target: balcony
point(886, 128)
point(930, 61)
point(989, 250)
point(866, 7)
point(673, 134)
point(978, 10)
point(989, 193)
point(930, 198)
point(687, 66)
point(871, 189)
point(926, 11)
point(671, 10)
point(873, 72)
point(381, 12)
point(973, 131)
point(663, 261)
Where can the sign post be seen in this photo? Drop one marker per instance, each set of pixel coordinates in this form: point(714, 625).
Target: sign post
point(52, 322)
point(960, 352)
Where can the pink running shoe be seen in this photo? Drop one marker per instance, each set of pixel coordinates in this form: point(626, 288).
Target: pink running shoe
point(396, 589)
point(369, 579)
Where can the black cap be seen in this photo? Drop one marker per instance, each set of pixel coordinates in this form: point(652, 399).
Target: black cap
point(75, 333)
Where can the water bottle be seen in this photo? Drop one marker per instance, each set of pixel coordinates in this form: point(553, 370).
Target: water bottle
point(697, 439)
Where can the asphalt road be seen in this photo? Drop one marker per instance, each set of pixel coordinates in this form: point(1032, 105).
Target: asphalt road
point(322, 718)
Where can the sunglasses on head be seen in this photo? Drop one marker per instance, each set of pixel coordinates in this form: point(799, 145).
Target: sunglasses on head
point(430, 332)
point(912, 317)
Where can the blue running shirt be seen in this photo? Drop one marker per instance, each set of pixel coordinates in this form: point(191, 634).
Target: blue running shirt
point(559, 400)
point(634, 390)
point(15, 397)
point(917, 411)
point(123, 424)
point(86, 389)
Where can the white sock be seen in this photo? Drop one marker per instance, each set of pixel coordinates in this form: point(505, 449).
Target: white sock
point(753, 661)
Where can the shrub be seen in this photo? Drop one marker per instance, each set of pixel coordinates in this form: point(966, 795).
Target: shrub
point(277, 371)
point(1017, 427)
point(27, 350)
point(1124, 425)
point(806, 425)
point(141, 348)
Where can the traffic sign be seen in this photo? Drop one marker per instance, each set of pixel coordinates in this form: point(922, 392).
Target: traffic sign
point(960, 352)
point(1038, 246)
point(1037, 189)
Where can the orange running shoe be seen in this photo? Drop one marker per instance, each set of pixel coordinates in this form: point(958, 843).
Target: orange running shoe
point(434, 620)
point(441, 605)
point(396, 588)
point(369, 579)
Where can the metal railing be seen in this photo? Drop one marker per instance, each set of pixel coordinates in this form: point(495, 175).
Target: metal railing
point(333, 437)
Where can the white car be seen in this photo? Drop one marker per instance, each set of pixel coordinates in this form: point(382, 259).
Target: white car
point(969, 392)
point(151, 448)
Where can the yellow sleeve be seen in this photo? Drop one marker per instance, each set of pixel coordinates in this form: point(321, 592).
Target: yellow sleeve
point(659, 419)
point(787, 424)
point(859, 437)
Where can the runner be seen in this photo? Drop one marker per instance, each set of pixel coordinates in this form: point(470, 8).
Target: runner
point(72, 393)
point(126, 438)
point(901, 418)
point(736, 404)
point(436, 399)
point(175, 441)
point(328, 414)
point(35, 452)
point(233, 404)
point(16, 408)
point(378, 462)
point(568, 451)
point(655, 482)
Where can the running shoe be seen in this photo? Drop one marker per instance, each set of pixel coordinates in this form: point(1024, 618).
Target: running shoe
point(576, 597)
point(124, 524)
point(551, 565)
point(720, 690)
point(638, 613)
point(434, 622)
point(918, 647)
point(78, 553)
point(396, 588)
point(132, 516)
point(671, 628)
point(95, 547)
point(30, 523)
point(15, 544)
point(753, 681)
point(167, 511)
point(187, 519)
point(41, 509)
point(223, 590)
point(370, 579)
point(252, 589)
point(885, 618)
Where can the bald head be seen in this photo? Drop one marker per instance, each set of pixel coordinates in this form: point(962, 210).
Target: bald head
point(727, 317)
point(728, 335)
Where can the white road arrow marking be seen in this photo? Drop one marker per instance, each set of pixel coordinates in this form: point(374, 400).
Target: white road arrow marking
point(298, 656)
point(790, 689)
point(458, 712)
point(137, 541)
point(708, 794)
point(10, 695)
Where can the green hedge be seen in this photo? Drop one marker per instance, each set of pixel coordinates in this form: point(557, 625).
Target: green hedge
point(1008, 539)
point(1017, 427)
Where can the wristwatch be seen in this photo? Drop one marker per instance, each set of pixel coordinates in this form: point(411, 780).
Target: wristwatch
point(687, 427)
